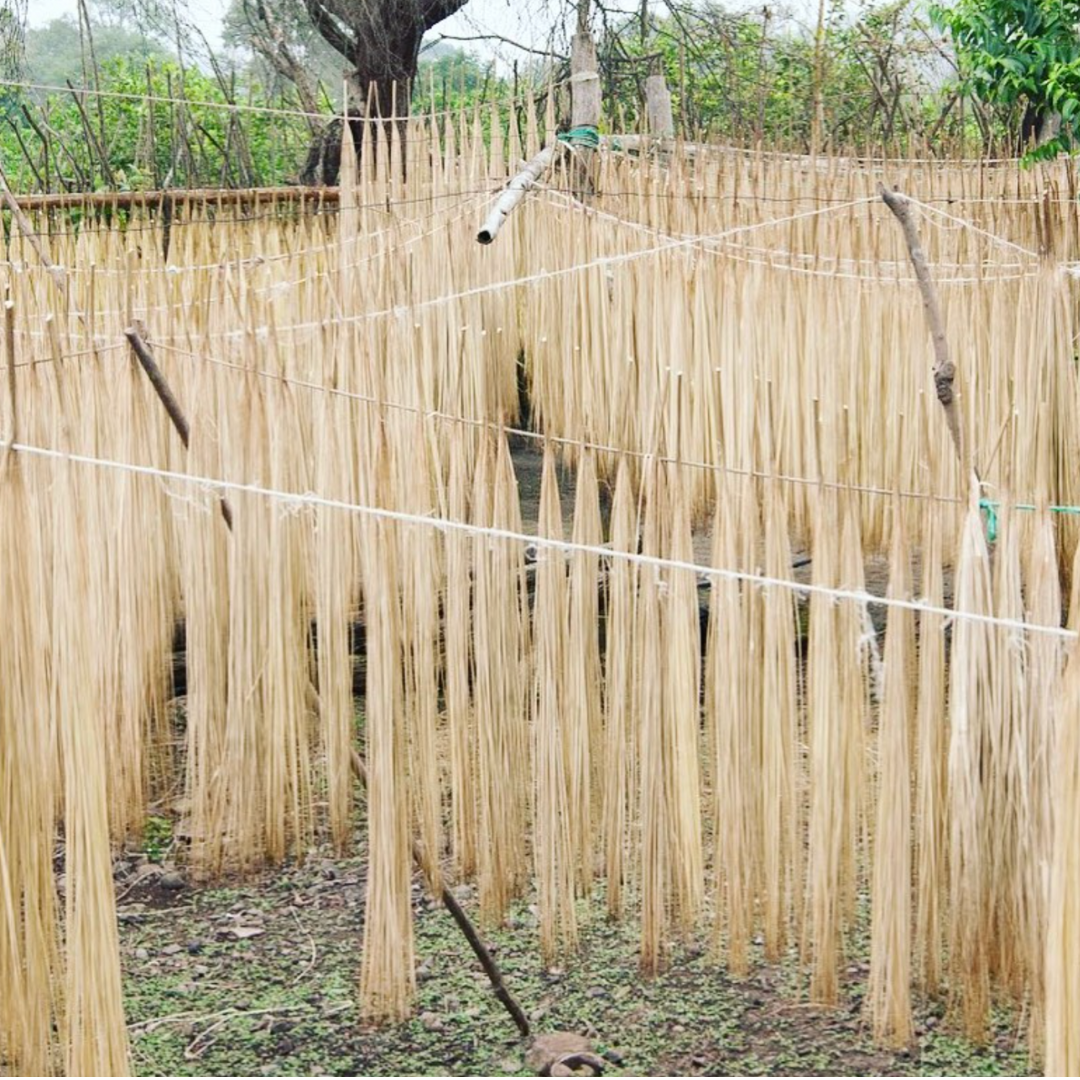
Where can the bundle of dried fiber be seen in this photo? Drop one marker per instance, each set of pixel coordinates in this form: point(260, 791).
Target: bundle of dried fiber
point(93, 1030)
point(889, 992)
point(781, 737)
point(858, 671)
point(1063, 919)
point(387, 972)
point(729, 722)
point(827, 834)
point(30, 976)
point(514, 677)
point(336, 573)
point(680, 622)
point(460, 721)
point(584, 726)
point(499, 692)
point(931, 759)
point(1044, 660)
point(971, 689)
point(620, 756)
point(1005, 768)
point(552, 822)
point(654, 810)
point(421, 575)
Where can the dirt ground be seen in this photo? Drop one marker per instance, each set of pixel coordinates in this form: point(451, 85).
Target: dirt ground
point(260, 978)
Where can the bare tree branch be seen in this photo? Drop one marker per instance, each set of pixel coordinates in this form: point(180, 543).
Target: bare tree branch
point(505, 41)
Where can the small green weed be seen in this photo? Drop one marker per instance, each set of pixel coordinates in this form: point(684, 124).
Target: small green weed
point(157, 837)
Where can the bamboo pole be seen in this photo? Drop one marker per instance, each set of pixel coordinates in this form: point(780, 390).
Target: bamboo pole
point(515, 191)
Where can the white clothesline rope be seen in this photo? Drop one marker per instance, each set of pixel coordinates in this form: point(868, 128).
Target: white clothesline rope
point(405, 309)
point(890, 271)
point(310, 499)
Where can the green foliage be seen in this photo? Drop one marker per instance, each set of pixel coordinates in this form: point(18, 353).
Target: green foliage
point(157, 837)
point(754, 76)
point(454, 79)
point(12, 37)
point(167, 128)
point(1021, 52)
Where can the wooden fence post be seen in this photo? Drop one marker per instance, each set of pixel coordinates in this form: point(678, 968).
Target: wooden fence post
point(584, 108)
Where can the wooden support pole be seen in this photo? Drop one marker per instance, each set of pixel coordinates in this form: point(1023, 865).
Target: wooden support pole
point(658, 112)
point(944, 368)
point(514, 192)
point(167, 398)
point(584, 81)
point(585, 102)
point(487, 962)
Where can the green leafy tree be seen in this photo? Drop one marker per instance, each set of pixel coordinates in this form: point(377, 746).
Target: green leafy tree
point(165, 128)
point(1022, 56)
point(454, 79)
point(757, 76)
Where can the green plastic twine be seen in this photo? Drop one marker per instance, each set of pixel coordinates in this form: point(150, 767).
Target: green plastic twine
point(585, 136)
point(990, 508)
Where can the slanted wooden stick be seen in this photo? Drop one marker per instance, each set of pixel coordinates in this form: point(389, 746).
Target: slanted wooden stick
point(9, 356)
point(491, 969)
point(944, 368)
point(167, 398)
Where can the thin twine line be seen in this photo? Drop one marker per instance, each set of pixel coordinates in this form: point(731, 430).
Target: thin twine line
point(848, 159)
point(1033, 255)
point(277, 289)
point(546, 275)
point(269, 110)
point(94, 350)
point(558, 440)
point(467, 199)
point(496, 427)
point(313, 207)
point(297, 499)
point(868, 279)
point(734, 251)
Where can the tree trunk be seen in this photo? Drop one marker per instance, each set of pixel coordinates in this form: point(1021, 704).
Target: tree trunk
point(1036, 127)
point(381, 41)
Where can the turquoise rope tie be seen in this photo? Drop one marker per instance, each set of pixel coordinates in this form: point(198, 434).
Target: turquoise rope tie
point(586, 136)
point(990, 508)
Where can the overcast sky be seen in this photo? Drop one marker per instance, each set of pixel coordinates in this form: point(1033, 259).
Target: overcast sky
point(528, 23)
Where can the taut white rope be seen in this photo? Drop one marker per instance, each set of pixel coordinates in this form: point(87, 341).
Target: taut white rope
point(293, 500)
